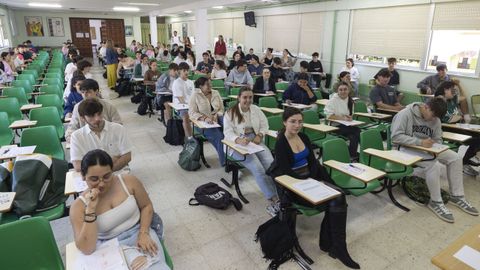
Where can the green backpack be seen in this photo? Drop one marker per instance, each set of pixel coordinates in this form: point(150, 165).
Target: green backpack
point(416, 189)
point(189, 158)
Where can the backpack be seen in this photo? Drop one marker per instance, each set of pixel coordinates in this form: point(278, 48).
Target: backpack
point(189, 158)
point(175, 133)
point(143, 107)
point(416, 189)
point(123, 88)
point(137, 98)
point(276, 240)
point(212, 195)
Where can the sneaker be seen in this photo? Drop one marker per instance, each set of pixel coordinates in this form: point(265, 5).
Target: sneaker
point(468, 170)
point(460, 202)
point(475, 160)
point(441, 211)
point(240, 174)
point(271, 210)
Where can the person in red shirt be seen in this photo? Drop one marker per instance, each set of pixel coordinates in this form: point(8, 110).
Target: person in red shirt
point(220, 48)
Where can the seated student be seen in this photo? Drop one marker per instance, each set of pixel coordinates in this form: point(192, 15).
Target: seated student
point(164, 84)
point(265, 84)
point(138, 57)
point(267, 59)
point(454, 115)
point(115, 206)
point(304, 69)
point(382, 95)
point(211, 60)
point(254, 67)
point(340, 107)
point(419, 124)
point(316, 66)
point(191, 60)
point(207, 105)
point(180, 58)
point(239, 51)
point(343, 77)
point(89, 88)
point(99, 134)
point(233, 63)
point(250, 55)
point(141, 67)
point(294, 156)
point(83, 69)
point(239, 76)
point(430, 83)
point(277, 71)
point(7, 75)
point(219, 71)
point(175, 51)
point(245, 123)
point(125, 64)
point(204, 67)
point(182, 89)
point(72, 67)
point(300, 92)
point(150, 52)
point(394, 79)
point(74, 97)
point(152, 74)
point(164, 56)
point(288, 59)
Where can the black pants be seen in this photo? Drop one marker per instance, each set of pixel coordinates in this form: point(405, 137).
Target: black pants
point(473, 148)
point(353, 135)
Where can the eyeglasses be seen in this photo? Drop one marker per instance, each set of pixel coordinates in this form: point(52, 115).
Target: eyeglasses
point(96, 179)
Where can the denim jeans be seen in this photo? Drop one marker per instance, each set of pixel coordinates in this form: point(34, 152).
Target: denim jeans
point(215, 137)
point(128, 242)
point(257, 164)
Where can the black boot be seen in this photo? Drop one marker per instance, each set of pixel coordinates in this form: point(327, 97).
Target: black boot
point(325, 242)
point(338, 249)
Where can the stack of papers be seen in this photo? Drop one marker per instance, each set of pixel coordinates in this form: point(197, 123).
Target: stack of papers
point(348, 123)
point(468, 126)
point(205, 124)
point(314, 190)
point(469, 256)
point(250, 148)
point(107, 256)
point(10, 151)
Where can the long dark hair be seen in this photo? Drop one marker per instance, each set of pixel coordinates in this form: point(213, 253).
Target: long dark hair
point(288, 52)
point(287, 113)
point(350, 99)
point(74, 81)
point(234, 111)
point(95, 157)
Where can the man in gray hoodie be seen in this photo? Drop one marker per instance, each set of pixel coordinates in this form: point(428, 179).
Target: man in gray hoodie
point(419, 124)
point(239, 76)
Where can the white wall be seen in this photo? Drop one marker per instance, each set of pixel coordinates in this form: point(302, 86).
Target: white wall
point(57, 41)
point(6, 25)
point(97, 24)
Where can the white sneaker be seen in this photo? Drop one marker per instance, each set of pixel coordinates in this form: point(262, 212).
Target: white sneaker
point(240, 174)
point(475, 160)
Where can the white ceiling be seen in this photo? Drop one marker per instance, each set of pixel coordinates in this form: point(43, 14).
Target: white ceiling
point(163, 7)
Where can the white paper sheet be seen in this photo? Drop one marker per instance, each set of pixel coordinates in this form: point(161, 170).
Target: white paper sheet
point(6, 199)
point(107, 256)
point(439, 147)
point(14, 151)
point(468, 126)
point(469, 256)
point(349, 123)
point(251, 148)
point(207, 125)
point(315, 190)
point(354, 169)
point(79, 184)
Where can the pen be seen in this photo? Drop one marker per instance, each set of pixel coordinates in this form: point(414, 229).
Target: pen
point(353, 166)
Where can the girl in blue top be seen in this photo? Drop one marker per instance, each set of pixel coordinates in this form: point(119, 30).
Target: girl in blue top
point(75, 95)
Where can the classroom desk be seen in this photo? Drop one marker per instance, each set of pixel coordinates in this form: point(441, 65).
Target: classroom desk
point(6, 201)
point(322, 102)
point(280, 91)
point(272, 133)
point(37, 93)
point(425, 95)
point(233, 96)
point(137, 79)
point(455, 137)
point(463, 127)
point(178, 106)
point(352, 123)
point(320, 127)
point(445, 260)
point(12, 151)
point(271, 110)
point(434, 151)
point(375, 116)
point(288, 182)
point(163, 93)
point(202, 125)
point(264, 94)
point(297, 105)
point(19, 124)
point(28, 107)
point(70, 186)
point(67, 119)
point(368, 174)
point(387, 110)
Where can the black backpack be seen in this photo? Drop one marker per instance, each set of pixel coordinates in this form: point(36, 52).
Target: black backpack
point(143, 107)
point(137, 98)
point(123, 88)
point(212, 195)
point(276, 240)
point(175, 134)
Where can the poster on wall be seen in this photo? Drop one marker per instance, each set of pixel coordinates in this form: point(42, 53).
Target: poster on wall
point(55, 26)
point(128, 30)
point(93, 33)
point(34, 26)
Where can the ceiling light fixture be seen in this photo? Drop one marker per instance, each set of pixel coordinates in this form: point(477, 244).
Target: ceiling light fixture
point(188, 11)
point(143, 4)
point(126, 9)
point(217, 7)
point(44, 5)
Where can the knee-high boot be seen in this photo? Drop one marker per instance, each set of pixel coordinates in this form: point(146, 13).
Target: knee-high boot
point(338, 249)
point(325, 242)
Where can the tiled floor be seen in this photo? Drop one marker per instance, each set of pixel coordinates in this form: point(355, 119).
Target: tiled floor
point(380, 235)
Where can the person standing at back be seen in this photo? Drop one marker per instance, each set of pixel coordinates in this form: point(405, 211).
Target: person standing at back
point(220, 48)
point(354, 74)
point(176, 39)
point(111, 61)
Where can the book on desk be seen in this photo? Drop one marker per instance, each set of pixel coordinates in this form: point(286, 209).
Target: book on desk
point(310, 189)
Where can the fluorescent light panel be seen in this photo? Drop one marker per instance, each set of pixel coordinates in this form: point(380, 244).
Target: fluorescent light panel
point(126, 9)
point(188, 11)
point(143, 4)
point(217, 7)
point(44, 5)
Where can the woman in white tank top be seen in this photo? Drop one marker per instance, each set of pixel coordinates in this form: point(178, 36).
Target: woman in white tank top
point(115, 206)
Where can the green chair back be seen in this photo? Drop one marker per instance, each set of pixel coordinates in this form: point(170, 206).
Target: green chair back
point(29, 244)
point(370, 139)
point(28, 77)
point(475, 101)
point(53, 81)
point(269, 102)
point(218, 83)
point(230, 104)
point(168, 259)
point(53, 75)
point(234, 91)
point(336, 149)
point(361, 107)
point(34, 72)
point(6, 134)
point(48, 116)
point(18, 93)
point(281, 86)
point(52, 90)
point(311, 117)
point(51, 101)
point(46, 140)
point(12, 108)
point(274, 123)
point(27, 86)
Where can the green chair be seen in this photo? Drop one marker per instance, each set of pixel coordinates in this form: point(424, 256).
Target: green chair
point(274, 123)
point(218, 83)
point(46, 140)
point(12, 108)
point(6, 134)
point(230, 104)
point(269, 102)
point(27, 86)
point(51, 101)
point(53, 81)
point(34, 72)
point(234, 91)
point(48, 116)
point(18, 93)
point(395, 171)
point(53, 75)
point(316, 137)
point(168, 259)
point(53, 90)
point(281, 86)
point(29, 244)
point(336, 149)
point(28, 77)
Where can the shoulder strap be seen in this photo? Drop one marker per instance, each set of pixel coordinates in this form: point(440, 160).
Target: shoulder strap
point(236, 202)
point(83, 199)
point(123, 184)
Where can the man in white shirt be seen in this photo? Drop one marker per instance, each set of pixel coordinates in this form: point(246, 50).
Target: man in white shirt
point(176, 39)
point(182, 89)
point(99, 134)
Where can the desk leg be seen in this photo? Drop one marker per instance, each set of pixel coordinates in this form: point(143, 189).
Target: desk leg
point(390, 194)
point(290, 214)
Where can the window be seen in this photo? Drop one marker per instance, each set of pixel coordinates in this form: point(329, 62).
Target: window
point(4, 42)
point(311, 34)
point(282, 32)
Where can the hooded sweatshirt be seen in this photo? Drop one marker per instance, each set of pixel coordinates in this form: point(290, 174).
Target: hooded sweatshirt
point(239, 77)
point(409, 127)
point(337, 106)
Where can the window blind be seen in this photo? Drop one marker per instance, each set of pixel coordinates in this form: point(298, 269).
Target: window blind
point(282, 32)
point(311, 33)
point(457, 16)
point(222, 27)
point(394, 31)
point(239, 30)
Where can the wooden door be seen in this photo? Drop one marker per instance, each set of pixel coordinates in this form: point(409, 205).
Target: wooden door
point(115, 30)
point(80, 30)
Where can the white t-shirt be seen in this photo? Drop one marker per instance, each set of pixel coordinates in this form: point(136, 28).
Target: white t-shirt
point(176, 40)
point(181, 88)
point(219, 74)
point(113, 140)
